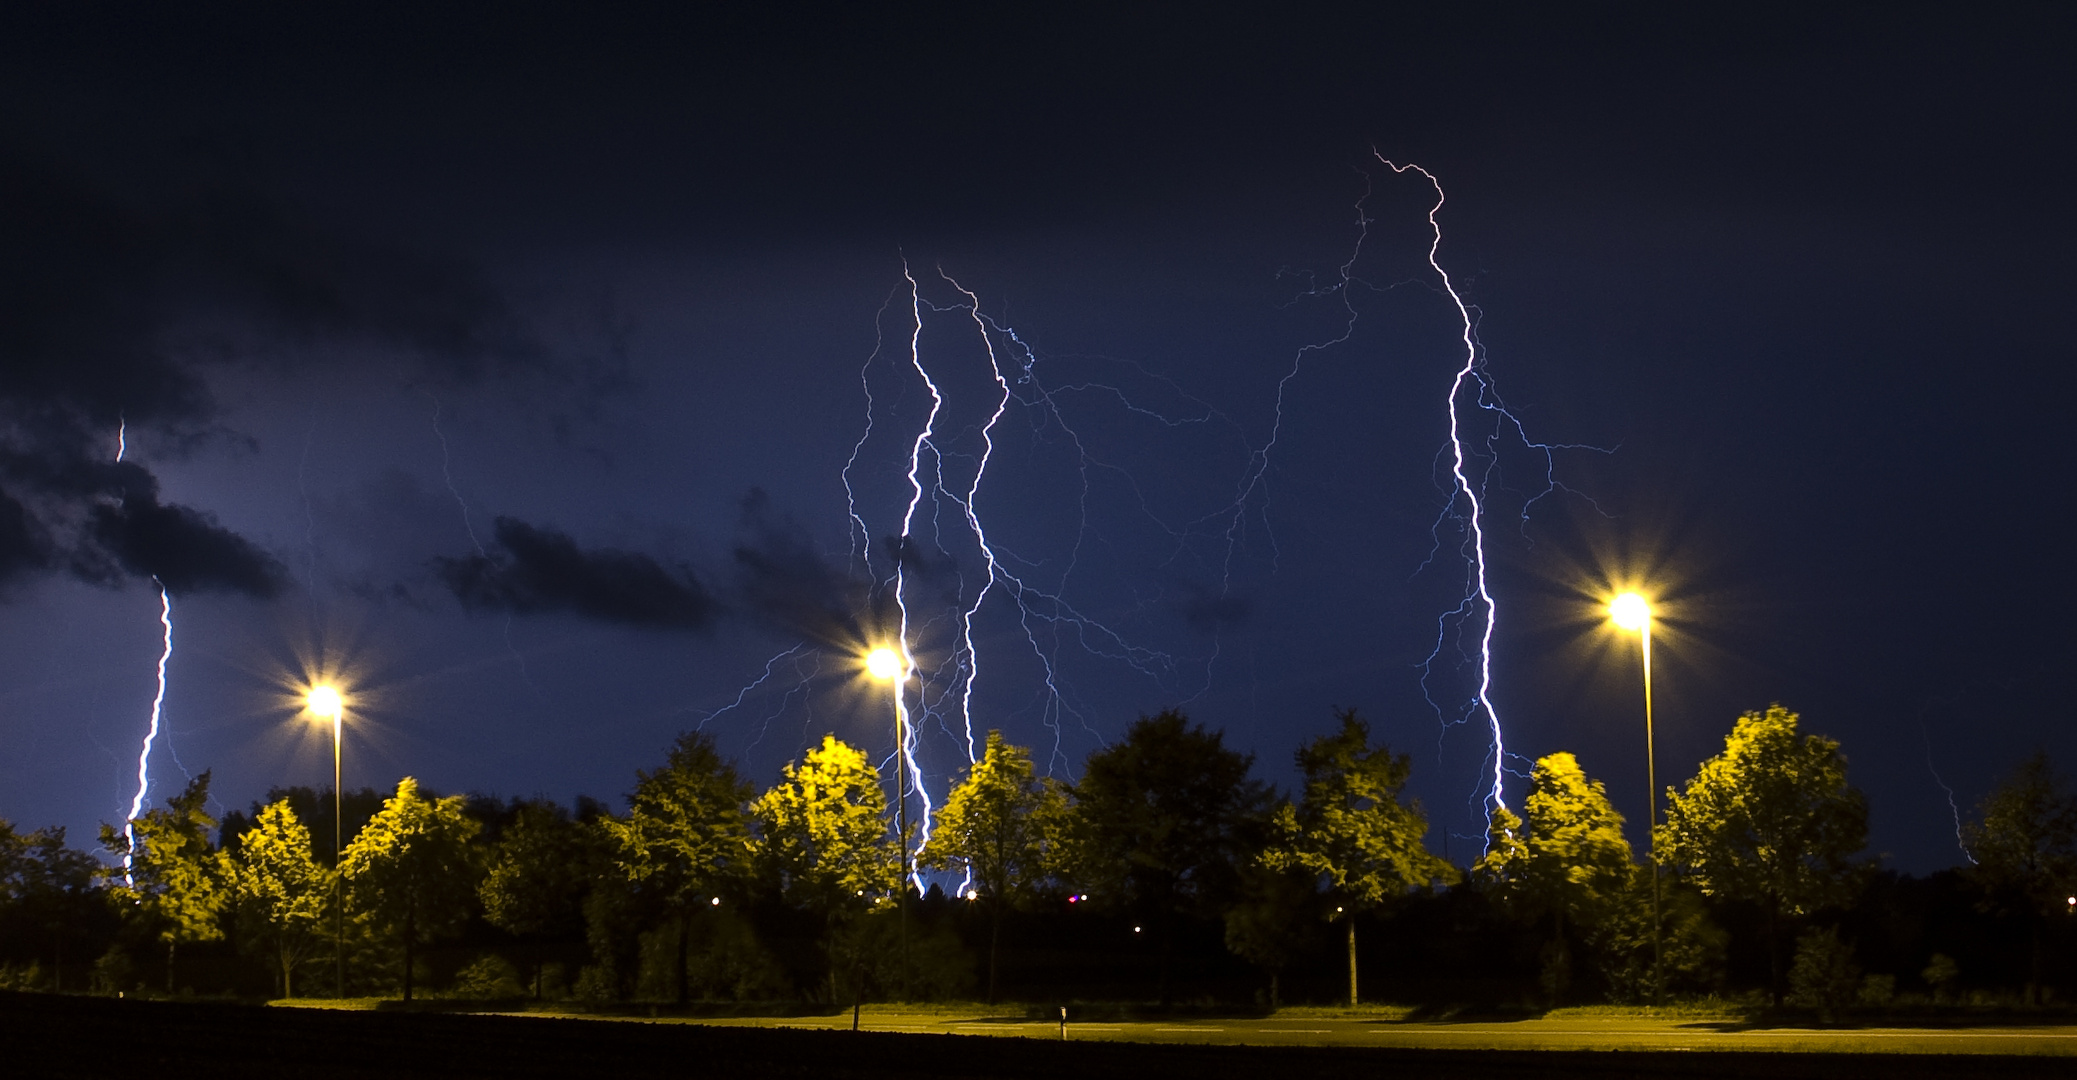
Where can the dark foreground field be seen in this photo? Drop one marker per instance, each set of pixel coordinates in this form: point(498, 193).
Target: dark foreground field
point(46, 1036)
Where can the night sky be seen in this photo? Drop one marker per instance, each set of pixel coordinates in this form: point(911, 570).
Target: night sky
point(510, 362)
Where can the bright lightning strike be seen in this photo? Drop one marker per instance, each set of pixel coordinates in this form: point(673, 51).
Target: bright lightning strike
point(158, 705)
point(904, 726)
point(1478, 601)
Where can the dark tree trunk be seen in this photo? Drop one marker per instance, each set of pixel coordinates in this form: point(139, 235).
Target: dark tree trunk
point(684, 947)
point(994, 942)
point(1167, 940)
point(829, 933)
point(410, 936)
point(169, 966)
point(2034, 965)
point(1352, 959)
point(1774, 950)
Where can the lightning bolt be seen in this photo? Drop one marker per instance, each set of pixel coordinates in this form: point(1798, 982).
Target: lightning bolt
point(1478, 602)
point(158, 705)
point(904, 725)
point(158, 702)
point(944, 693)
point(945, 460)
point(1960, 841)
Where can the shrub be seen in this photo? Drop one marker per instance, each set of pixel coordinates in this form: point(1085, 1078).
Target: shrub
point(490, 976)
point(1824, 975)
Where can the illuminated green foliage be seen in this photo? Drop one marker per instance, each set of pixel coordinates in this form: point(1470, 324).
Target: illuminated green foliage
point(1565, 859)
point(412, 869)
point(282, 892)
point(1350, 828)
point(823, 833)
point(686, 836)
point(823, 828)
point(179, 879)
point(991, 830)
point(1771, 820)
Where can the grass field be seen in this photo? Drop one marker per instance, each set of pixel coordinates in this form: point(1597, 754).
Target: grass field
point(62, 1037)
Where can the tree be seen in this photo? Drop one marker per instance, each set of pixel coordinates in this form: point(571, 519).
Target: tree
point(412, 868)
point(2025, 845)
point(1565, 860)
point(823, 832)
point(175, 876)
point(1350, 828)
point(1687, 954)
point(686, 835)
point(281, 891)
point(1275, 918)
point(1163, 822)
point(46, 894)
point(991, 827)
point(1770, 820)
point(539, 873)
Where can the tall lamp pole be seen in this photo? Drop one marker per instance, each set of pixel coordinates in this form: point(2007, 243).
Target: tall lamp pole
point(325, 702)
point(887, 665)
point(1631, 611)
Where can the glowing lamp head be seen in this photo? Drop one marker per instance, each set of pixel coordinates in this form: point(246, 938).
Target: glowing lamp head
point(325, 701)
point(1630, 611)
point(883, 664)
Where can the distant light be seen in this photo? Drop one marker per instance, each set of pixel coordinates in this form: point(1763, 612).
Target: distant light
point(716, 901)
point(1135, 929)
point(1072, 899)
point(883, 663)
point(973, 894)
point(1630, 611)
point(1337, 911)
point(325, 701)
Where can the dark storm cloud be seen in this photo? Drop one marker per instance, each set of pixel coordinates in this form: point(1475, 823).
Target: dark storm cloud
point(185, 550)
point(109, 314)
point(783, 580)
point(538, 570)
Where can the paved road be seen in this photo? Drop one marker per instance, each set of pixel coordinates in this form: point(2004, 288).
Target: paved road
point(1588, 1033)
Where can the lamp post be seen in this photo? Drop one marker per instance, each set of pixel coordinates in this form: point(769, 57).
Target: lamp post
point(1633, 612)
point(888, 666)
point(324, 701)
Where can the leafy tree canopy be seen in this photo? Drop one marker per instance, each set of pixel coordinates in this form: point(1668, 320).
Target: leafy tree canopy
point(991, 825)
point(994, 827)
point(824, 831)
point(412, 868)
point(1566, 855)
point(540, 871)
point(1771, 819)
point(175, 876)
point(686, 831)
point(1350, 827)
point(2024, 839)
point(1166, 817)
point(281, 891)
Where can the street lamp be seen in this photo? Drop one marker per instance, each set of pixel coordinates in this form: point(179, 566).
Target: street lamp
point(1633, 612)
point(325, 702)
point(888, 666)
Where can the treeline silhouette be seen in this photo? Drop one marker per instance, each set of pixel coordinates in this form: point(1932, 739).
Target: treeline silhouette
point(1166, 873)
